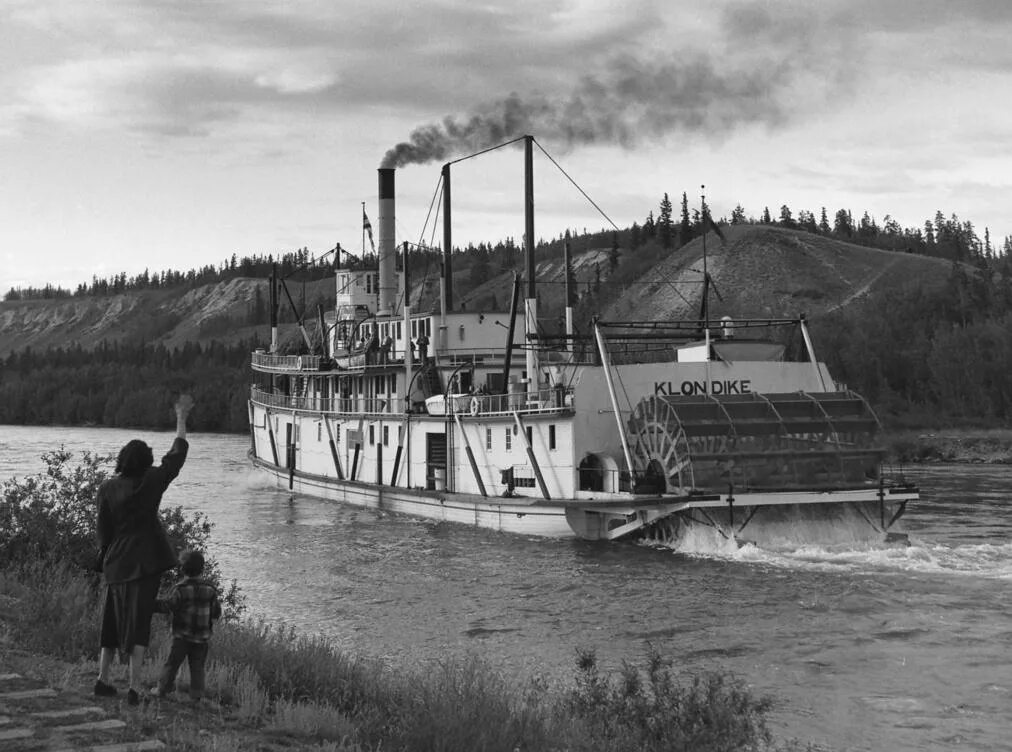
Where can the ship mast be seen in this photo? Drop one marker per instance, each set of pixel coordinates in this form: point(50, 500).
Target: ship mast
point(531, 304)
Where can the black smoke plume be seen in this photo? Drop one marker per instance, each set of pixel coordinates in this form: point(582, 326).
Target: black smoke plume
point(765, 59)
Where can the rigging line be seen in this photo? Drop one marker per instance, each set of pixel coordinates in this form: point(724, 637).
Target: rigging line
point(671, 284)
point(625, 393)
point(435, 202)
point(438, 192)
point(486, 151)
point(435, 219)
point(570, 179)
point(576, 185)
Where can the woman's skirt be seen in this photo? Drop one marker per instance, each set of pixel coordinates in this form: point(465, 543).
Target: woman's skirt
point(129, 606)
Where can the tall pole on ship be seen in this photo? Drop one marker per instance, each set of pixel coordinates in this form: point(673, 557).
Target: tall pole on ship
point(406, 437)
point(274, 308)
point(706, 293)
point(407, 332)
point(567, 254)
point(531, 304)
point(446, 301)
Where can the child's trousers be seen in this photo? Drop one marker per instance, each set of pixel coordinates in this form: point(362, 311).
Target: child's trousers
point(195, 653)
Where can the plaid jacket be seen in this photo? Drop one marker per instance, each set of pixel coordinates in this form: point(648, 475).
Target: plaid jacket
point(193, 603)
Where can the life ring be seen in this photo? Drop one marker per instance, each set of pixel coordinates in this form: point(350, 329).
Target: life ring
point(298, 362)
point(475, 406)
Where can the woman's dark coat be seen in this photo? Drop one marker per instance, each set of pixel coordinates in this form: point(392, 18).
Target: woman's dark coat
point(128, 520)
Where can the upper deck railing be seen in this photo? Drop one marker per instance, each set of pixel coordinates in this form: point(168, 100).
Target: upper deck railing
point(473, 405)
point(270, 362)
point(336, 405)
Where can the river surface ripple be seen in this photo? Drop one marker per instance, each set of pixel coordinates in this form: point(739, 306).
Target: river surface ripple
point(862, 647)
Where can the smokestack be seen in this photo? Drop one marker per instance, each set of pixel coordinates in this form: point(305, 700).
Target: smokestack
point(387, 244)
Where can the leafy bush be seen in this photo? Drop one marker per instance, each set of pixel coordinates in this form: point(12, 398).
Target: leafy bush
point(651, 710)
point(51, 517)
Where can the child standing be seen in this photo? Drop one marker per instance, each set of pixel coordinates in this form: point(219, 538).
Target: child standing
point(194, 605)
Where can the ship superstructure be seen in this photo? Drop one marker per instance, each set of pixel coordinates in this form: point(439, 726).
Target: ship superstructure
point(476, 418)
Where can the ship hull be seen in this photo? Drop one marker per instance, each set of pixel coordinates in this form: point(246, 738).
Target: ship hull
point(610, 519)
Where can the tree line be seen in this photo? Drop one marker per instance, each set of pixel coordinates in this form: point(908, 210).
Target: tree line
point(127, 385)
point(940, 236)
point(300, 260)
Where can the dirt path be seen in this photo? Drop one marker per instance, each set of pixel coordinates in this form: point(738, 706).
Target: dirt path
point(863, 289)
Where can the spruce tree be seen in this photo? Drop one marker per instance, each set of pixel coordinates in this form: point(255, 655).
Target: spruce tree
point(684, 226)
point(664, 223)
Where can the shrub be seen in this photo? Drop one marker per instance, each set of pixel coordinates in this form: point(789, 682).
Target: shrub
point(51, 517)
point(649, 709)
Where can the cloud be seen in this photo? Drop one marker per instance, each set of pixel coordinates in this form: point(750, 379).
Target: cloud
point(751, 73)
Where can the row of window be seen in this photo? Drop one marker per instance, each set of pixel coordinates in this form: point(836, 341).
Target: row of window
point(507, 433)
point(395, 329)
point(510, 430)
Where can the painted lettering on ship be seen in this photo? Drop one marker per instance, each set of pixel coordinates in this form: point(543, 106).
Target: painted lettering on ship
point(737, 386)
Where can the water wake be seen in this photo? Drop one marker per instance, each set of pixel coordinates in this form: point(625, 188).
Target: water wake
point(844, 542)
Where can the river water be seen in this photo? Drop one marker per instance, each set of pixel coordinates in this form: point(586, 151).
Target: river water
point(863, 647)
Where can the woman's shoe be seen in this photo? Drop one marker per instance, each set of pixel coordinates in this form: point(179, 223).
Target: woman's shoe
point(104, 690)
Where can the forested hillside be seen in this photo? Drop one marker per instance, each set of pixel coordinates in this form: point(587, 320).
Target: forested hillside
point(917, 321)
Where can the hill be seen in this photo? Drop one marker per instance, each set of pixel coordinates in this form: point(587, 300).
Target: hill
point(761, 271)
point(758, 271)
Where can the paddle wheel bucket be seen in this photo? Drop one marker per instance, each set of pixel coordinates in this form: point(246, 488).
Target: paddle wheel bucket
point(755, 442)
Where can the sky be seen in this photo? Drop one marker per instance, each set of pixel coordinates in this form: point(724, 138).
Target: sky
point(158, 134)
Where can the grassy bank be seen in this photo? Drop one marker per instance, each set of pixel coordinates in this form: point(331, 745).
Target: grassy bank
point(966, 445)
point(270, 688)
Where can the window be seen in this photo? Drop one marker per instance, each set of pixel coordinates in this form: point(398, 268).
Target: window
point(372, 434)
point(488, 439)
point(266, 421)
point(386, 435)
point(399, 330)
point(551, 436)
point(319, 432)
point(509, 440)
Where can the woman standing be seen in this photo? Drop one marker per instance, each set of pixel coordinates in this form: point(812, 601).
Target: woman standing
point(136, 549)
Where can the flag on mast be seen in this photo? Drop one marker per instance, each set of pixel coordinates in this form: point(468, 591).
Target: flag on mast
point(368, 228)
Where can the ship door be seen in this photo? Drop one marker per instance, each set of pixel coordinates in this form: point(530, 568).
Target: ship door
point(435, 461)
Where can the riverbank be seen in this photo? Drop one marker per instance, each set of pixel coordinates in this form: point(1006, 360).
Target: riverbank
point(958, 445)
point(271, 689)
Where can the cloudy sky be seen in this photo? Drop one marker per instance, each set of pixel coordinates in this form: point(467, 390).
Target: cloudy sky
point(167, 134)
